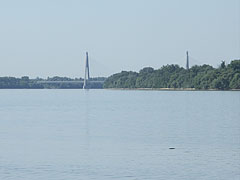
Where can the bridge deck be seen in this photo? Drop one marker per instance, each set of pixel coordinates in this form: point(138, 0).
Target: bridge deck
point(66, 82)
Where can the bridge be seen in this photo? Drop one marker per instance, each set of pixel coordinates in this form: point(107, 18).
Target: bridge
point(87, 83)
point(70, 82)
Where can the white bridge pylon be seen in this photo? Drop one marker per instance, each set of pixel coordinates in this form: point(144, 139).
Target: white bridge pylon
point(86, 77)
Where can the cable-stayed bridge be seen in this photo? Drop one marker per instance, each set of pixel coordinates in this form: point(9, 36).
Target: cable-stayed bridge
point(86, 83)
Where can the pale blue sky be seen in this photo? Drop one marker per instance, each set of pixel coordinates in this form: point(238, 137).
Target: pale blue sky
point(49, 37)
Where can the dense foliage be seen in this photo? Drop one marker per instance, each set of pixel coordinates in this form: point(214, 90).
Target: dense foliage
point(49, 83)
point(173, 76)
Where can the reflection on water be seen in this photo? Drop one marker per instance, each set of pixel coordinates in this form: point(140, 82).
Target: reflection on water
point(87, 119)
point(103, 134)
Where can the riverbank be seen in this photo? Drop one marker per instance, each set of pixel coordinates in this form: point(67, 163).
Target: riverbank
point(175, 77)
point(134, 89)
point(170, 89)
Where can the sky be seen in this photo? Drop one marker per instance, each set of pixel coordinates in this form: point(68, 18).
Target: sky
point(45, 38)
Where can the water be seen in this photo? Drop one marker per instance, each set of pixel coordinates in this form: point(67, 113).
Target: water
point(111, 134)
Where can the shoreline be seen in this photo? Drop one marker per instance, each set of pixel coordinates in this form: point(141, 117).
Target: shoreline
point(126, 89)
point(170, 89)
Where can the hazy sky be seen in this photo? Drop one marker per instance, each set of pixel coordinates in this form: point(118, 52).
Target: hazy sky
point(50, 37)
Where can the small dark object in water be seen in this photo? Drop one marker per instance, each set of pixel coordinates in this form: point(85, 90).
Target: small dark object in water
point(171, 148)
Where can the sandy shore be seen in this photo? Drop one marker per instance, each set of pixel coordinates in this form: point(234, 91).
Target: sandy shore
point(171, 89)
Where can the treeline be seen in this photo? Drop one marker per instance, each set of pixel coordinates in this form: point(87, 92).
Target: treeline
point(203, 77)
point(56, 82)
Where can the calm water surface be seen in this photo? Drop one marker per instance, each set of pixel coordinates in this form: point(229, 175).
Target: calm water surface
point(105, 134)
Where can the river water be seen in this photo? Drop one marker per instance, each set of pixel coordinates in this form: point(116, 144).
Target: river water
point(114, 134)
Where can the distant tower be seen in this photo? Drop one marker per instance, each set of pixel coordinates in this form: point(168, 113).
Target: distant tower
point(86, 77)
point(187, 64)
